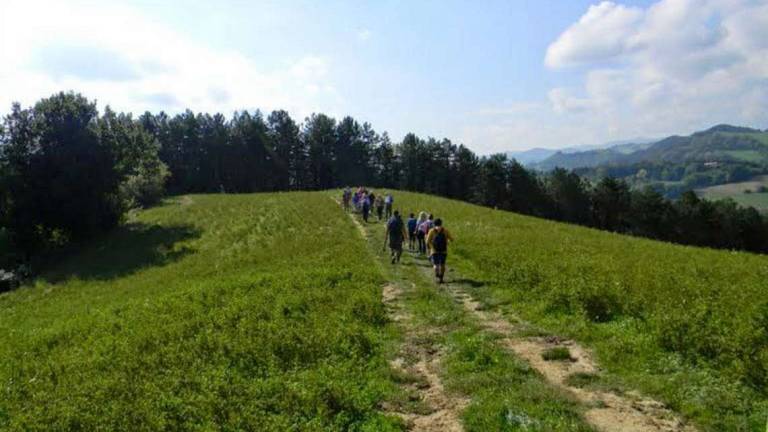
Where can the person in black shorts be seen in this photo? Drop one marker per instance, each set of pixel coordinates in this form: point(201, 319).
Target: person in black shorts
point(396, 235)
point(437, 240)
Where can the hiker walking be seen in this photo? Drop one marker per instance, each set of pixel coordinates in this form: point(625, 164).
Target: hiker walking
point(395, 234)
point(346, 196)
point(379, 207)
point(366, 206)
point(356, 201)
point(438, 239)
point(388, 201)
point(423, 229)
point(412, 224)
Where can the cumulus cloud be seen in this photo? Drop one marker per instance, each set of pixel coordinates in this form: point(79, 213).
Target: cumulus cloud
point(674, 67)
point(601, 34)
point(118, 55)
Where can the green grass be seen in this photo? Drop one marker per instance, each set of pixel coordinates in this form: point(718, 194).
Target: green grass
point(746, 155)
point(736, 191)
point(506, 393)
point(687, 325)
point(762, 137)
point(206, 313)
point(263, 312)
point(557, 354)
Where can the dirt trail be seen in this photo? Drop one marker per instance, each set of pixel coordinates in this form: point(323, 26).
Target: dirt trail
point(351, 215)
point(608, 411)
point(418, 361)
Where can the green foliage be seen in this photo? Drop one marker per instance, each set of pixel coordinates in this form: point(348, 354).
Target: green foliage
point(147, 186)
point(63, 168)
point(557, 354)
point(681, 323)
point(582, 379)
point(209, 312)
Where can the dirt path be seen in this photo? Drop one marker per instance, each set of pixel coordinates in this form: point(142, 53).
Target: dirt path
point(418, 361)
point(607, 410)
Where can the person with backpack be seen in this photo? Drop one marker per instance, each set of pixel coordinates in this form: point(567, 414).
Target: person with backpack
point(395, 234)
point(420, 235)
point(411, 232)
point(379, 207)
point(438, 239)
point(388, 201)
point(424, 226)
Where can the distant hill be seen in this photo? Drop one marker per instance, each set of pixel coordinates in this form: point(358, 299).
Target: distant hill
point(591, 158)
point(721, 143)
point(535, 155)
point(532, 156)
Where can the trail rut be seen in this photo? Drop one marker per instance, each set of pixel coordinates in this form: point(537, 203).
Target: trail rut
point(607, 411)
point(419, 360)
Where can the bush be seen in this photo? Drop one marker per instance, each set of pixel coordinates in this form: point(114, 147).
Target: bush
point(147, 186)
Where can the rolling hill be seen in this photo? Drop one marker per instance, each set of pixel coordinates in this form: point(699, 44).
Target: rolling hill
point(265, 312)
point(720, 143)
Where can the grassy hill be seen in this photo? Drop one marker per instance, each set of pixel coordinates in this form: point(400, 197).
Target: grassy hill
point(722, 143)
point(220, 311)
point(264, 312)
point(689, 325)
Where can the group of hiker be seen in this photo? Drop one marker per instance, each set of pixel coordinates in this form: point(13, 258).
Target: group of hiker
point(426, 234)
point(365, 201)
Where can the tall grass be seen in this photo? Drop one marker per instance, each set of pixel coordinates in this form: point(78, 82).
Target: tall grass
point(689, 325)
point(255, 312)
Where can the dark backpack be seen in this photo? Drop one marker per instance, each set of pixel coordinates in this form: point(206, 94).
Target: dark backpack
point(396, 229)
point(440, 242)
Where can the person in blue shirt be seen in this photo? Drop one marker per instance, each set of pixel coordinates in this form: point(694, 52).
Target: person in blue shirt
point(412, 224)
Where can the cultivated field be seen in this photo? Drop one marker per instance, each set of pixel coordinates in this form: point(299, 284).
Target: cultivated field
point(736, 191)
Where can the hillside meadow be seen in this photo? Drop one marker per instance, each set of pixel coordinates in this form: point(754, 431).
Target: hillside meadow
point(227, 312)
point(738, 192)
point(264, 311)
point(688, 325)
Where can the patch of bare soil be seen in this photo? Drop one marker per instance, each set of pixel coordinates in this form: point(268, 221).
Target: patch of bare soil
point(419, 359)
point(607, 411)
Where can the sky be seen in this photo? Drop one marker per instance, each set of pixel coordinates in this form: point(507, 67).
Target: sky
point(493, 75)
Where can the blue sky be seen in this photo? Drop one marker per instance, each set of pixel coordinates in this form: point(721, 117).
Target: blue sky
point(495, 75)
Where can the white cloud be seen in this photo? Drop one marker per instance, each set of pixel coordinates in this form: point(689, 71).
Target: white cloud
point(675, 67)
point(601, 34)
point(120, 56)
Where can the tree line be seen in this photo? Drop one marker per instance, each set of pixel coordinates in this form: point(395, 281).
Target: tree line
point(68, 172)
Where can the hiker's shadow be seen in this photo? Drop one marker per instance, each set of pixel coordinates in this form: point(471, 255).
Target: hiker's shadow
point(470, 282)
point(125, 250)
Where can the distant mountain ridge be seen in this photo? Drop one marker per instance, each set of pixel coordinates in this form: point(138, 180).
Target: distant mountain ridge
point(536, 155)
point(719, 143)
